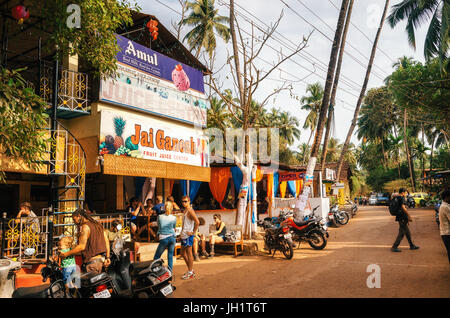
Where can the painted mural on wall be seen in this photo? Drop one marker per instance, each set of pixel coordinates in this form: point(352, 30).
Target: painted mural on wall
point(152, 82)
point(125, 134)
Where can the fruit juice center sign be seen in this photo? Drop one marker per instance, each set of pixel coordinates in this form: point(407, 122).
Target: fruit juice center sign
point(124, 134)
point(152, 82)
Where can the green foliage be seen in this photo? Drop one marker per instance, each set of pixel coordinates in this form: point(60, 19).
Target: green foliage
point(379, 176)
point(205, 21)
point(94, 41)
point(22, 119)
point(415, 13)
point(396, 184)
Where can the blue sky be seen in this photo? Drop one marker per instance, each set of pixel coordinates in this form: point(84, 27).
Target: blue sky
point(312, 63)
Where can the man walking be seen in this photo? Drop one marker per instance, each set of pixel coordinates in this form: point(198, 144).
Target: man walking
point(444, 216)
point(403, 218)
point(190, 226)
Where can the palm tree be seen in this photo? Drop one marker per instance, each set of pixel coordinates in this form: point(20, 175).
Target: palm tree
point(303, 154)
point(393, 147)
point(204, 20)
point(334, 149)
point(312, 103)
point(288, 127)
point(218, 116)
point(416, 12)
point(363, 90)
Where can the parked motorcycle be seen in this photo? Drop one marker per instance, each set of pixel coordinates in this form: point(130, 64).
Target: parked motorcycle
point(89, 285)
point(277, 238)
point(138, 279)
point(410, 202)
point(55, 289)
point(310, 230)
point(338, 217)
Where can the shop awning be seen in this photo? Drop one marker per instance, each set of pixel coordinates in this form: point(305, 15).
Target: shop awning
point(128, 166)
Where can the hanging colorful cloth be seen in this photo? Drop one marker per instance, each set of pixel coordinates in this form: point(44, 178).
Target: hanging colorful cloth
point(283, 186)
point(219, 182)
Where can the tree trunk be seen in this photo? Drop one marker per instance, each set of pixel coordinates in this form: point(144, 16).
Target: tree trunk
point(411, 176)
point(329, 82)
point(335, 84)
point(363, 91)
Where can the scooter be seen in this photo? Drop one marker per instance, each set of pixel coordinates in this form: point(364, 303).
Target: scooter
point(87, 285)
point(138, 279)
point(310, 230)
point(56, 287)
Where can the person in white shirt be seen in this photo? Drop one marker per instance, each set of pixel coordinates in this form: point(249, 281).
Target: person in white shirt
point(444, 216)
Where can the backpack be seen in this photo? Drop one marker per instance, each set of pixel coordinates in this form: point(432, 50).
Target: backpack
point(395, 206)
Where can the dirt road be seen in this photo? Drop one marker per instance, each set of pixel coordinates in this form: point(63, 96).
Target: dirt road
point(340, 270)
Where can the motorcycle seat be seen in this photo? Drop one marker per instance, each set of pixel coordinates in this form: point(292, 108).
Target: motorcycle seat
point(41, 291)
point(137, 267)
point(301, 223)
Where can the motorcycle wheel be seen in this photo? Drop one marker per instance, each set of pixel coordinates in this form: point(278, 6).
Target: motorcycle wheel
point(317, 240)
point(288, 250)
point(343, 218)
point(335, 222)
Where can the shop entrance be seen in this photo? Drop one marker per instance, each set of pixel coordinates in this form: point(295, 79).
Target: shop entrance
point(9, 199)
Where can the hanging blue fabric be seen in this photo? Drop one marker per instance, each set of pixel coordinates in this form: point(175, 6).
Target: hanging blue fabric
point(237, 175)
point(183, 185)
point(275, 183)
point(291, 188)
point(138, 184)
point(194, 186)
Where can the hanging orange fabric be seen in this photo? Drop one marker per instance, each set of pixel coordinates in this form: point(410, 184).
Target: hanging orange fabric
point(269, 186)
point(259, 174)
point(219, 182)
point(283, 186)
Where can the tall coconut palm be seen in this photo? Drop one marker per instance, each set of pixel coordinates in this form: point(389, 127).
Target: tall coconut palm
point(363, 90)
point(303, 154)
point(218, 115)
point(416, 12)
point(205, 20)
point(288, 126)
point(312, 103)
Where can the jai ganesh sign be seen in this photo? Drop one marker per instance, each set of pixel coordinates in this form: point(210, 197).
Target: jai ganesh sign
point(125, 134)
point(152, 82)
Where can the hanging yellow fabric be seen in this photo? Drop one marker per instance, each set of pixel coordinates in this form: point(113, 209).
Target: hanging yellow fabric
point(283, 186)
point(269, 186)
point(298, 186)
point(259, 174)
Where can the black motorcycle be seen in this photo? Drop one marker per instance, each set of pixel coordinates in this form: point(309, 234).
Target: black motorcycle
point(55, 289)
point(138, 279)
point(277, 238)
point(410, 202)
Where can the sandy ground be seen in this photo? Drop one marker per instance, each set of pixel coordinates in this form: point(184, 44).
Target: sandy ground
point(340, 270)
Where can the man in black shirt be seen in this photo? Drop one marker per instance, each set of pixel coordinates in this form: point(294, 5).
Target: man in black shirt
point(403, 219)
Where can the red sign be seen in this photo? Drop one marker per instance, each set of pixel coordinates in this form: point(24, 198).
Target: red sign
point(289, 176)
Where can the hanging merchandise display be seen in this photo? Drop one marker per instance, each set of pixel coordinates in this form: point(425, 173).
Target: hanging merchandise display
point(20, 13)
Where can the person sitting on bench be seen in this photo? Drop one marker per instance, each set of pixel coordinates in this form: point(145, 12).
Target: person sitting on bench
point(216, 237)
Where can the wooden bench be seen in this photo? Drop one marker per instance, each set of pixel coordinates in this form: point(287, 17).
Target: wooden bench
point(239, 242)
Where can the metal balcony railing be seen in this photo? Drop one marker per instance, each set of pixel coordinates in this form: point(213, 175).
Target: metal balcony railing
point(72, 88)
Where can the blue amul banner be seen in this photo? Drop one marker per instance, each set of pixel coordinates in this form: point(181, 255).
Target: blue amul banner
point(142, 58)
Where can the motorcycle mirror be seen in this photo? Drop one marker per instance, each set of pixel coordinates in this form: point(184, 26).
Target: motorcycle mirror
point(29, 251)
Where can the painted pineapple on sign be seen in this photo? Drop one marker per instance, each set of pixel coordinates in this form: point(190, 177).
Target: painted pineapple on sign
point(116, 145)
